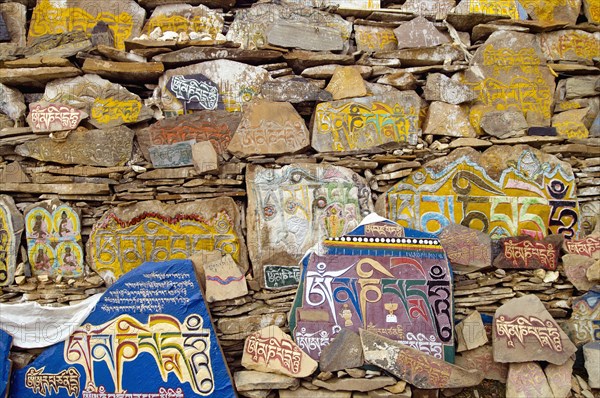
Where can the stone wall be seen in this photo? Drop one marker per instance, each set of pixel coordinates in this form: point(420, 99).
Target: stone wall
point(308, 115)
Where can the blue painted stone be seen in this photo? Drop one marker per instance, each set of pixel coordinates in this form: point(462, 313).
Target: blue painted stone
point(5, 364)
point(150, 334)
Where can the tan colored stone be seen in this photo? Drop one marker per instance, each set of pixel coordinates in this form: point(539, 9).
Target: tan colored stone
point(36, 77)
point(319, 393)
point(448, 120)
point(248, 380)
point(419, 33)
point(439, 87)
point(350, 384)
point(344, 351)
point(224, 280)
point(591, 353)
point(346, 82)
point(576, 268)
point(127, 72)
point(470, 333)
point(571, 124)
point(559, 378)
point(205, 157)
point(482, 358)
point(399, 80)
point(504, 124)
point(527, 380)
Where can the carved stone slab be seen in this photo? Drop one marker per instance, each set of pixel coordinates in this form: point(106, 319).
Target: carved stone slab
point(271, 350)
point(15, 18)
point(269, 128)
point(362, 123)
point(292, 208)
point(466, 247)
point(584, 325)
point(524, 331)
point(224, 279)
point(429, 8)
point(375, 38)
point(591, 9)
point(570, 45)
point(44, 117)
point(304, 37)
point(552, 11)
point(481, 190)
point(342, 4)
point(525, 252)
point(151, 319)
point(216, 126)
point(54, 246)
point(527, 380)
point(281, 276)
point(482, 358)
point(380, 277)
point(238, 83)
point(587, 246)
point(11, 227)
point(508, 8)
point(416, 367)
point(185, 18)
point(110, 147)
point(128, 236)
point(194, 91)
point(124, 17)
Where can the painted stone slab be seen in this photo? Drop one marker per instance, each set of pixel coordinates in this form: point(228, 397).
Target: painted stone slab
point(124, 18)
point(525, 252)
point(194, 91)
point(271, 350)
point(524, 331)
point(429, 8)
point(45, 117)
point(570, 45)
point(5, 363)
point(185, 18)
point(304, 36)
point(375, 38)
point(292, 208)
point(250, 26)
point(238, 84)
point(174, 155)
point(591, 9)
point(108, 147)
point(125, 237)
point(417, 368)
point(505, 191)
point(15, 18)
point(108, 104)
point(269, 128)
point(509, 8)
point(552, 11)
point(584, 325)
point(466, 247)
point(379, 277)
point(281, 277)
point(154, 319)
point(54, 246)
point(362, 123)
point(482, 358)
point(512, 78)
point(587, 246)
point(527, 380)
point(216, 126)
point(11, 227)
point(224, 279)
point(342, 4)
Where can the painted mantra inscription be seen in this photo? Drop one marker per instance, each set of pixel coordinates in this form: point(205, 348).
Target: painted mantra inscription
point(584, 247)
point(494, 7)
point(162, 393)
point(54, 117)
point(529, 198)
point(521, 252)
point(415, 366)
point(278, 276)
point(182, 349)
point(268, 349)
point(105, 110)
point(547, 333)
point(195, 90)
point(46, 383)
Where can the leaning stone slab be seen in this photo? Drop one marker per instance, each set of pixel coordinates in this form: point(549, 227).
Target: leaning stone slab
point(482, 358)
point(250, 380)
point(110, 147)
point(11, 227)
point(585, 317)
point(185, 18)
point(417, 368)
point(343, 352)
point(523, 330)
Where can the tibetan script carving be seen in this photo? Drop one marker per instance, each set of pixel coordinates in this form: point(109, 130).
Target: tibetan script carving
point(196, 91)
point(54, 117)
point(47, 383)
point(546, 332)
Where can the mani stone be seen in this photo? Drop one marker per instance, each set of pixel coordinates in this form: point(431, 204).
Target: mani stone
point(45, 117)
point(251, 25)
point(293, 89)
point(53, 232)
point(216, 126)
point(576, 267)
point(343, 352)
point(269, 128)
point(591, 353)
point(525, 252)
point(376, 121)
point(504, 124)
point(127, 236)
point(416, 367)
point(424, 56)
point(571, 124)
point(585, 318)
point(552, 12)
point(324, 200)
point(419, 33)
point(448, 120)
point(224, 280)
point(124, 17)
point(14, 16)
point(374, 38)
point(172, 155)
point(205, 157)
point(439, 87)
point(470, 332)
point(346, 82)
point(109, 147)
point(11, 227)
point(591, 9)
point(272, 351)
point(482, 358)
point(509, 72)
point(559, 378)
point(108, 104)
point(527, 380)
point(237, 83)
point(467, 249)
point(304, 37)
point(524, 331)
point(570, 45)
point(12, 102)
point(180, 18)
point(358, 385)
point(249, 380)
point(509, 8)
point(429, 8)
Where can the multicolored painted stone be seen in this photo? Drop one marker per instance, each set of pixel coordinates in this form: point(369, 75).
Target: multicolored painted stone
point(380, 277)
point(584, 325)
point(155, 319)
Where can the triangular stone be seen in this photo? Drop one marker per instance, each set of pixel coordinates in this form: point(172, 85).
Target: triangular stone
point(419, 33)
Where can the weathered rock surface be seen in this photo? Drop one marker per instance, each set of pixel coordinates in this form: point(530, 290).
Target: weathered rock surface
point(441, 88)
point(419, 33)
point(527, 380)
point(343, 352)
point(591, 353)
